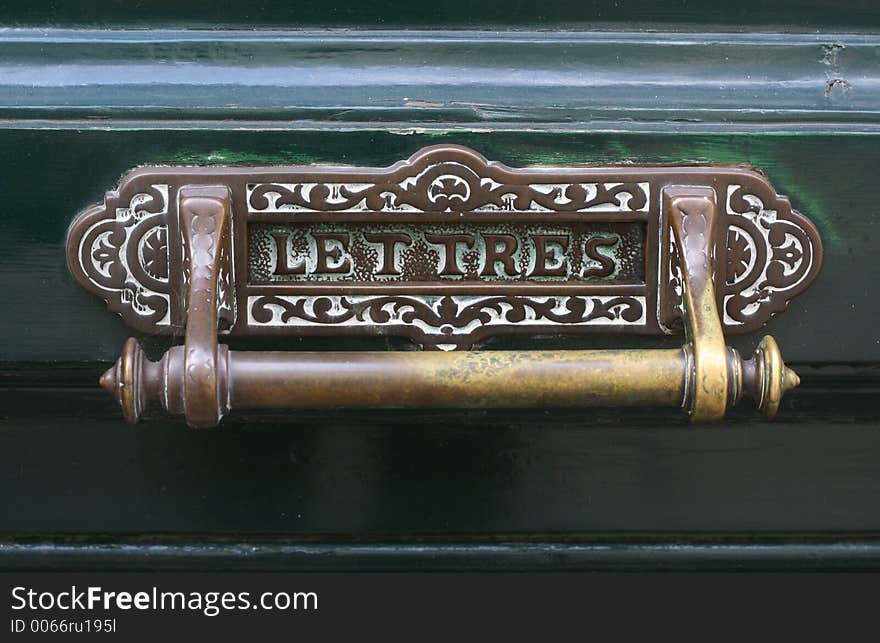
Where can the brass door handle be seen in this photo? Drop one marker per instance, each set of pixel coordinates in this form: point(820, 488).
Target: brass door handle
point(204, 380)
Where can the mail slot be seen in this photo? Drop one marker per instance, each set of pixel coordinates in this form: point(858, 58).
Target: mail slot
point(446, 249)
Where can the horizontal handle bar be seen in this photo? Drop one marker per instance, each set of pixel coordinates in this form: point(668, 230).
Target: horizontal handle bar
point(490, 379)
point(510, 379)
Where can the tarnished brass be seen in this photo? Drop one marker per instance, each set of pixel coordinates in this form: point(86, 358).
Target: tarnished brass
point(204, 222)
point(691, 212)
point(203, 380)
point(446, 249)
point(473, 379)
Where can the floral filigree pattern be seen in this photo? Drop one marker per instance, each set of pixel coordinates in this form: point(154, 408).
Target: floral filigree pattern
point(452, 320)
point(778, 260)
point(449, 186)
point(128, 250)
point(122, 255)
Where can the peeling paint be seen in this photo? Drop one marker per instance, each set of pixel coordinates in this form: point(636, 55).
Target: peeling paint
point(835, 83)
point(833, 75)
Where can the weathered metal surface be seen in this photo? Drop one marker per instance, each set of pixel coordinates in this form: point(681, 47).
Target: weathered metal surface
point(205, 223)
point(417, 252)
point(692, 213)
point(471, 379)
point(446, 248)
point(204, 380)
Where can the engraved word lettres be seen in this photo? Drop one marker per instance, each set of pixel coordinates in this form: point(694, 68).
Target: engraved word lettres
point(445, 248)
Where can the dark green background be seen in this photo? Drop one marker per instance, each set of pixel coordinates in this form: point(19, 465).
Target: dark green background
point(743, 15)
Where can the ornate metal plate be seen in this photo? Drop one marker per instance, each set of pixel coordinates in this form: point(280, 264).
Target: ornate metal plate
point(445, 248)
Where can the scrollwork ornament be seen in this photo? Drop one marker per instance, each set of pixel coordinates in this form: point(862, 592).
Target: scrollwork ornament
point(771, 255)
point(129, 251)
point(429, 182)
point(457, 320)
point(122, 255)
